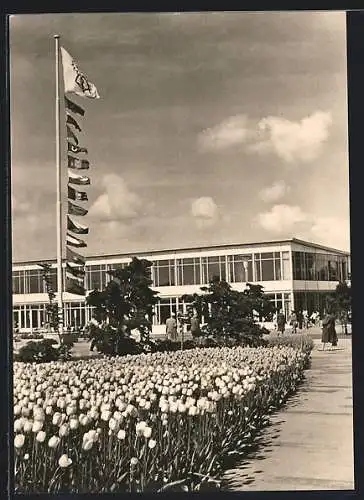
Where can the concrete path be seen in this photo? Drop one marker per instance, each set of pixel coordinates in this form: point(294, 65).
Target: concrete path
point(309, 445)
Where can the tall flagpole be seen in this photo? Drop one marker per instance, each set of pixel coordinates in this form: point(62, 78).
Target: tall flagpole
point(59, 197)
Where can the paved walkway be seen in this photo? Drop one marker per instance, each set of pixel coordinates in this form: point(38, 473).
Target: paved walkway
point(309, 445)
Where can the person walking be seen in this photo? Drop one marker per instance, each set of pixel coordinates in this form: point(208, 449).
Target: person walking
point(281, 322)
point(329, 334)
point(294, 322)
point(171, 327)
point(300, 319)
point(305, 320)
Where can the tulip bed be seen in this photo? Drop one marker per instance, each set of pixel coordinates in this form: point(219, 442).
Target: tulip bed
point(141, 423)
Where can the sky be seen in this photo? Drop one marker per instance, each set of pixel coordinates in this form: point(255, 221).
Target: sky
point(211, 128)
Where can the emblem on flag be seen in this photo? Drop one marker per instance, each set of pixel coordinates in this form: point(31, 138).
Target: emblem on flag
point(76, 149)
point(74, 80)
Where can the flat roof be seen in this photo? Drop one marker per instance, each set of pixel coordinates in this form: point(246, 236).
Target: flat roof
point(201, 247)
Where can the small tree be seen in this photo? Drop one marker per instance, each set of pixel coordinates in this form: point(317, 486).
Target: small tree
point(342, 303)
point(229, 314)
point(125, 304)
point(52, 306)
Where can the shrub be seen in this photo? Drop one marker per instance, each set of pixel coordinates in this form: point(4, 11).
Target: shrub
point(38, 352)
point(29, 336)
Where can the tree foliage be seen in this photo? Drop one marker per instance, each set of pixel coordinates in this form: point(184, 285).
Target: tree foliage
point(230, 314)
point(339, 302)
point(125, 304)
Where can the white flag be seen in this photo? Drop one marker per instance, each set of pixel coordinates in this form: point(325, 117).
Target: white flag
point(75, 81)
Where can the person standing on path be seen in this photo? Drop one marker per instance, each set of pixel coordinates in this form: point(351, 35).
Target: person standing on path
point(195, 326)
point(294, 322)
point(171, 328)
point(281, 322)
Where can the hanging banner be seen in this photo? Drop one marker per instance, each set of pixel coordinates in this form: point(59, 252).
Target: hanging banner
point(77, 163)
point(71, 135)
point(75, 108)
point(72, 286)
point(75, 242)
point(76, 195)
point(76, 210)
point(76, 227)
point(76, 271)
point(71, 121)
point(72, 256)
point(80, 180)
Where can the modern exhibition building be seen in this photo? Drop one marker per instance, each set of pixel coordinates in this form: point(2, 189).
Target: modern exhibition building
point(295, 274)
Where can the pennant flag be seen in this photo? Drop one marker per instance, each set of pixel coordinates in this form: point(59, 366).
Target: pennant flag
point(77, 164)
point(75, 242)
point(72, 148)
point(71, 276)
point(72, 106)
point(71, 121)
point(76, 195)
point(71, 135)
point(72, 256)
point(76, 227)
point(77, 272)
point(76, 210)
point(80, 180)
point(74, 80)
point(72, 286)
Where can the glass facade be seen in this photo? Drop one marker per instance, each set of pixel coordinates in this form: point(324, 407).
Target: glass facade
point(319, 267)
point(195, 271)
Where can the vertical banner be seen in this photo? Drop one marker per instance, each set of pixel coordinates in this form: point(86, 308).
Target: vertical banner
point(77, 83)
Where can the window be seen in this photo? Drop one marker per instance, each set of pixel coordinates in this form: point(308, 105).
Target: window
point(188, 271)
point(240, 268)
point(164, 273)
point(213, 267)
point(286, 267)
point(268, 266)
point(34, 281)
point(18, 282)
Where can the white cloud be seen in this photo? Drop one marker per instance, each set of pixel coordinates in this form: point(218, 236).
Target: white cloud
point(232, 131)
point(332, 231)
point(117, 202)
point(294, 141)
point(291, 221)
point(205, 211)
point(281, 218)
point(274, 192)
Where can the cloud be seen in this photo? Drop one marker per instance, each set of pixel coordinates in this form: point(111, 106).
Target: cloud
point(205, 211)
point(294, 141)
point(291, 221)
point(118, 202)
point(281, 218)
point(332, 231)
point(274, 192)
point(232, 131)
